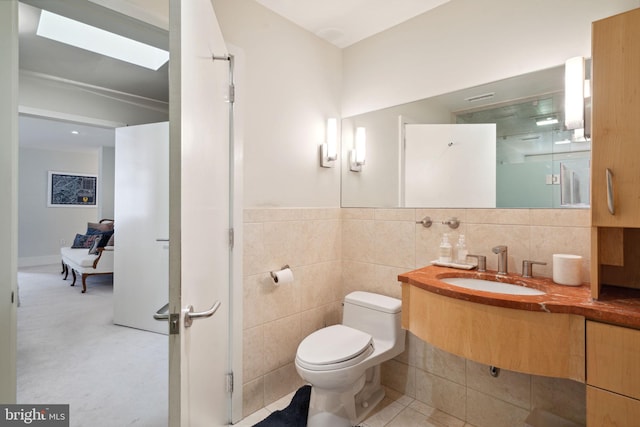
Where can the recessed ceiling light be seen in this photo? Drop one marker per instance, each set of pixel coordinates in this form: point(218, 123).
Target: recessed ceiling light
point(563, 141)
point(547, 121)
point(83, 36)
point(75, 132)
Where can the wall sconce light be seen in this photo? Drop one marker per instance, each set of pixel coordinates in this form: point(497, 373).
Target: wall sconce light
point(329, 150)
point(574, 93)
point(358, 155)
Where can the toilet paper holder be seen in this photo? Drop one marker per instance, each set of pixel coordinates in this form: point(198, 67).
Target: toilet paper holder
point(273, 273)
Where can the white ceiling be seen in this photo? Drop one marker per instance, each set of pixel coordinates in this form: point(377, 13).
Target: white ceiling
point(42, 133)
point(341, 22)
point(41, 56)
point(344, 22)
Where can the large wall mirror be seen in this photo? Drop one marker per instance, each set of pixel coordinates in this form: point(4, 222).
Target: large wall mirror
point(531, 160)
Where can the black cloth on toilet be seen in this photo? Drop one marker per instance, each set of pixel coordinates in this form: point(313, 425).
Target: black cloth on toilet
point(294, 415)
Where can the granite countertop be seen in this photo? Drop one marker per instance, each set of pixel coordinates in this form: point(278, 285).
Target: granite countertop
point(618, 306)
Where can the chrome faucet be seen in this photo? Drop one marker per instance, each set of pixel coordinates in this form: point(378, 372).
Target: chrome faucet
point(501, 250)
point(527, 267)
point(482, 262)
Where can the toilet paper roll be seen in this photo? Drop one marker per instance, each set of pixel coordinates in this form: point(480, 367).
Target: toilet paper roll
point(567, 269)
point(282, 276)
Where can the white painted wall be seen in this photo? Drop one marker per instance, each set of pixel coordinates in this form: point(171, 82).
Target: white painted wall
point(9, 196)
point(106, 181)
point(464, 43)
point(40, 228)
point(292, 85)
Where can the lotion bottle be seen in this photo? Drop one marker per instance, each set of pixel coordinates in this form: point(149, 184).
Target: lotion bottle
point(461, 250)
point(445, 249)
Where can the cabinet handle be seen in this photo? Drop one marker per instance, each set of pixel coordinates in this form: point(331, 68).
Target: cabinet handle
point(610, 205)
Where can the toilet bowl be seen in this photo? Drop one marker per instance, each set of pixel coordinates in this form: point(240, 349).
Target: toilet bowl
point(342, 362)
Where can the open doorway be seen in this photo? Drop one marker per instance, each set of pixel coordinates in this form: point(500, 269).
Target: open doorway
point(69, 350)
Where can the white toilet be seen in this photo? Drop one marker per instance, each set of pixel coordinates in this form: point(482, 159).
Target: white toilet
point(342, 362)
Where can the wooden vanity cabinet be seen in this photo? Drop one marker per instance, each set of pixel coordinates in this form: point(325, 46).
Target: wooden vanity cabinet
point(530, 342)
point(615, 159)
point(613, 375)
point(606, 409)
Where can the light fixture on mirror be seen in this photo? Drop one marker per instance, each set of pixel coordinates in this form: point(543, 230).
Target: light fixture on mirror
point(329, 150)
point(358, 155)
point(574, 85)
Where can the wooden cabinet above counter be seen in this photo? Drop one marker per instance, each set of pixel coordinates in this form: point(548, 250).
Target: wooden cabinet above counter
point(615, 156)
point(615, 121)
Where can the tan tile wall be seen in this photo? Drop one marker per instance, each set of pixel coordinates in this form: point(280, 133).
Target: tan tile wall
point(380, 243)
point(335, 251)
point(277, 318)
point(466, 390)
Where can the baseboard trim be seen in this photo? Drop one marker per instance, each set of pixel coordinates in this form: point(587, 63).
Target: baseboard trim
point(38, 260)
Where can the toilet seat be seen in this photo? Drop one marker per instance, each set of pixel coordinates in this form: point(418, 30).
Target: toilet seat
point(334, 347)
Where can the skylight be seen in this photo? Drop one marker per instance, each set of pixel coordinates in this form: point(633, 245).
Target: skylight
point(83, 36)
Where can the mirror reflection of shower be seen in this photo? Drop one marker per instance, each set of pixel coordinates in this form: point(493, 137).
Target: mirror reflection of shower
point(537, 159)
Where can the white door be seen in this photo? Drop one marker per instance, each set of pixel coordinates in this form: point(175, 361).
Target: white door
point(199, 253)
point(9, 197)
point(452, 166)
point(141, 261)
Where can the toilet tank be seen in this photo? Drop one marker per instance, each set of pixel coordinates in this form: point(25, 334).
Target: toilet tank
point(378, 315)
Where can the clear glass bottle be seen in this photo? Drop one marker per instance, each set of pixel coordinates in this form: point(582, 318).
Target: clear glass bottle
point(461, 250)
point(445, 249)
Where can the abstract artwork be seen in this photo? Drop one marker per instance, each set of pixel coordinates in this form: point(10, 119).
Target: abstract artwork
point(72, 189)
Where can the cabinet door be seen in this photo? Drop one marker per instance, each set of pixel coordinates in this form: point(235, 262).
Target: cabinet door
point(613, 361)
point(616, 120)
point(606, 409)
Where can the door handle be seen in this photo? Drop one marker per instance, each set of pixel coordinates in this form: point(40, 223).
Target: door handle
point(610, 204)
point(189, 314)
point(162, 313)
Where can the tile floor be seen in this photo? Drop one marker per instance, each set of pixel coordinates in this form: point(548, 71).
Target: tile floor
point(395, 410)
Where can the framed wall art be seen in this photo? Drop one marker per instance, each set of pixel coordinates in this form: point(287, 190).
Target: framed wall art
point(65, 189)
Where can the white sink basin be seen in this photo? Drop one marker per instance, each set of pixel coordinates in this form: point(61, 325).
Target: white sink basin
point(491, 286)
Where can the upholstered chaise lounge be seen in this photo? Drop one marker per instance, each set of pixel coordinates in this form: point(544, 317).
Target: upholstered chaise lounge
point(91, 253)
point(79, 261)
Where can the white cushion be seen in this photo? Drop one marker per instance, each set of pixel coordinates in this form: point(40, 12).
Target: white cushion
point(82, 261)
point(79, 256)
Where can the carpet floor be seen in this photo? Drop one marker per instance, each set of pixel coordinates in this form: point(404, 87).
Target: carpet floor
point(70, 352)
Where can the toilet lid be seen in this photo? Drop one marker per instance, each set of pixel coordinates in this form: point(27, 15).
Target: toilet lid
point(333, 345)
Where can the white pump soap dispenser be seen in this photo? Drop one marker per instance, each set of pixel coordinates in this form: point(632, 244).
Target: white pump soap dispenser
point(445, 249)
point(461, 250)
